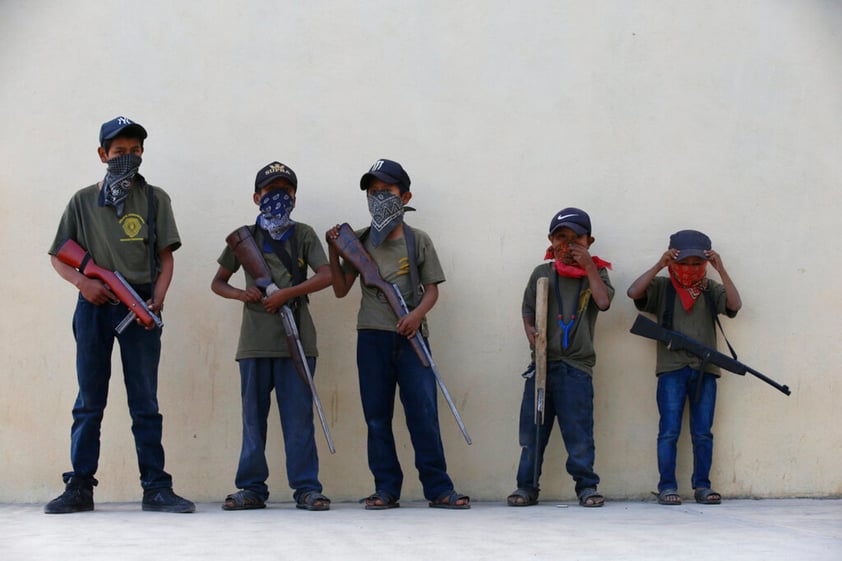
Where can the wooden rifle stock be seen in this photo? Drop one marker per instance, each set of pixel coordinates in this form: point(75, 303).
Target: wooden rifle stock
point(541, 300)
point(71, 253)
point(245, 249)
point(676, 341)
point(353, 251)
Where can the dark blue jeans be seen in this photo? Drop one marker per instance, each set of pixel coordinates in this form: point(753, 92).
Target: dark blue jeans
point(140, 350)
point(386, 360)
point(258, 377)
point(674, 389)
point(569, 399)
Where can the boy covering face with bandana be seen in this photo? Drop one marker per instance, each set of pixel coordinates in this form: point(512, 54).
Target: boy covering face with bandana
point(579, 289)
point(687, 301)
point(264, 358)
point(385, 358)
point(126, 225)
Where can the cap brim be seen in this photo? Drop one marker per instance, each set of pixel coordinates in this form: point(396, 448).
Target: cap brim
point(129, 130)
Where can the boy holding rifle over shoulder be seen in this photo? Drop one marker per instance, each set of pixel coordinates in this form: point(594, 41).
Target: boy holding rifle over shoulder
point(265, 357)
point(578, 289)
point(388, 353)
point(688, 302)
point(124, 229)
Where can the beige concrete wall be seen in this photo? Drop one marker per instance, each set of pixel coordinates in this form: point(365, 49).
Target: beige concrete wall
point(654, 116)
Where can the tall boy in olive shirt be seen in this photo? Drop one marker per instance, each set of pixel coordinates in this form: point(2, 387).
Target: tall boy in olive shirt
point(127, 226)
point(264, 358)
point(385, 358)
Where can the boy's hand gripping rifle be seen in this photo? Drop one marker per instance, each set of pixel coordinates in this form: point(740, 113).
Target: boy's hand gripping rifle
point(676, 341)
point(352, 250)
point(542, 294)
point(247, 252)
point(71, 253)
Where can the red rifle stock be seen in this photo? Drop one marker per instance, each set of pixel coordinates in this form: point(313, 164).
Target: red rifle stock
point(71, 253)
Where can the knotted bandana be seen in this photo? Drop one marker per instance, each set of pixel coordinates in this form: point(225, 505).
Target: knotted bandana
point(574, 271)
point(689, 282)
point(118, 181)
point(386, 210)
point(275, 208)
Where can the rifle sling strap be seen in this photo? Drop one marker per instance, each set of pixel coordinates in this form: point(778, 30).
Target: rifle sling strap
point(290, 262)
point(669, 312)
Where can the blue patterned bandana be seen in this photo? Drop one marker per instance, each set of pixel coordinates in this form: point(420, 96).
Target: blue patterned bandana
point(118, 181)
point(386, 210)
point(275, 208)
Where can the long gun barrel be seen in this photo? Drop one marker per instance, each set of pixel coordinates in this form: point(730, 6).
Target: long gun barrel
point(676, 341)
point(71, 253)
point(352, 250)
point(245, 248)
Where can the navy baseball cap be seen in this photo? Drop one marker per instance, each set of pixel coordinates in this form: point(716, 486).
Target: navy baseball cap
point(690, 243)
point(272, 171)
point(574, 218)
point(387, 171)
point(120, 126)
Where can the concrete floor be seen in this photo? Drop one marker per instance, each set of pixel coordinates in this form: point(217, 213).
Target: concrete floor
point(767, 530)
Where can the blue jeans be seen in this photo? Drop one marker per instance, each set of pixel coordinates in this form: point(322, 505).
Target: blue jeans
point(386, 360)
point(569, 398)
point(674, 388)
point(258, 377)
point(140, 350)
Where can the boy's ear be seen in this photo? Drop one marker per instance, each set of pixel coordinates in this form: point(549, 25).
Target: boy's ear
point(257, 199)
point(103, 157)
point(591, 240)
point(406, 196)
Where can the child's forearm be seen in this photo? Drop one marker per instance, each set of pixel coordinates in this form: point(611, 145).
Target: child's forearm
point(599, 292)
point(639, 286)
point(732, 296)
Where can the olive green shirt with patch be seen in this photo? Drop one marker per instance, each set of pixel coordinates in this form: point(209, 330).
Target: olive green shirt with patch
point(393, 263)
point(119, 244)
point(262, 334)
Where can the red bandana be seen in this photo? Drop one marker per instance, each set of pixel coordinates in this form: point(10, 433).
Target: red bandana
point(689, 282)
point(574, 271)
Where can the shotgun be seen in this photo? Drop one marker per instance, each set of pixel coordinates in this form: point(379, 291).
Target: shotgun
point(71, 253)
point(676, 341)
point(245, 248)
point(352, 250)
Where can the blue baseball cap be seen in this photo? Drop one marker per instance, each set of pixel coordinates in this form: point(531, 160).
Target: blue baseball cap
point(387, 171)
point(574, 218)
point(272, 171)
point(120, 126)
point(690, 243)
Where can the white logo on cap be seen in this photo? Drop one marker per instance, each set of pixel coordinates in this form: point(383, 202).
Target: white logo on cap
point(377, 165)
point(123, 121)
point(560, 217)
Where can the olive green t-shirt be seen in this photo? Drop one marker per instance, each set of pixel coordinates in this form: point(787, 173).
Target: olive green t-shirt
point(697, 324)
point(262, 334)
point(393, 263)
point(580, 352)
point(119, 244)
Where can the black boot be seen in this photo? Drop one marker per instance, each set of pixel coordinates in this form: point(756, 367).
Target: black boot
point(78, 496)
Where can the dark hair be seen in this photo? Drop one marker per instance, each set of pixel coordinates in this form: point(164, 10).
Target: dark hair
point(106, 144)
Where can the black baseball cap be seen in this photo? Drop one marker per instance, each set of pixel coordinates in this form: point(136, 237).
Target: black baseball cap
point(272, 171)
point(387, 171)
point(574, 218)
point(120, 126)
point(690, 243)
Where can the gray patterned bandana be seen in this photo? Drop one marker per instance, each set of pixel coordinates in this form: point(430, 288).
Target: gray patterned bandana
point(275, 208)
point(118, 181)
point(386, 210)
